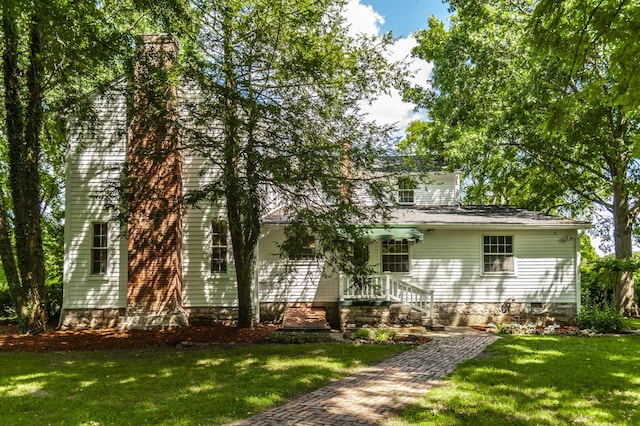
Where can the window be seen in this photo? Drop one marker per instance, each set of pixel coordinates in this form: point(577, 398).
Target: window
point(361, 253)
point(218, 246)
point(99, 247)
point(395, 255)
point(305, 250)
point(498, 254)
point(406, 188)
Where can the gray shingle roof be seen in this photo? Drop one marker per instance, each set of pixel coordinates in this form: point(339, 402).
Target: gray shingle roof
point(480, 216)
point(466, 216)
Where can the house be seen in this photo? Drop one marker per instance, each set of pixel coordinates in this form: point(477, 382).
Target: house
point(435, 259)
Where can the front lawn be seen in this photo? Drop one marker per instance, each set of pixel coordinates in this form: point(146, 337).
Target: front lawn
point(169, 386)
point(540, 380)
point(633, 323)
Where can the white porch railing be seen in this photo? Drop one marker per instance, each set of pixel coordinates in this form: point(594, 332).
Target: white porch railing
point(386, 287)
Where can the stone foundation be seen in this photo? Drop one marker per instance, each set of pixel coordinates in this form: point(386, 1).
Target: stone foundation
point(460, 314)
point(375, 315)
point(89, 318)
point(82, 319)
point(136, 320)
point(212, 315)
point(540, 314)
point(274, 312)
point(363, 315)
point(452, 314)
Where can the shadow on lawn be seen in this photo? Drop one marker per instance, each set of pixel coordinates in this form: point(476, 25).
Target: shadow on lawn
point(538, 380)
point(195, 386)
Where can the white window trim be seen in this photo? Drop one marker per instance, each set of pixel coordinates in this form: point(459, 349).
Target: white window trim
point(104, 274)
point(513, 273)
point(404, 189)
point(213, 273)
point(404, 273)
point(313, 246)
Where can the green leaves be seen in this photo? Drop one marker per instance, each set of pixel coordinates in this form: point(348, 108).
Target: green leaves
point(533, 101)
point(278, 87)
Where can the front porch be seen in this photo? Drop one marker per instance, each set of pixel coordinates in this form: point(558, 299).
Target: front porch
point(384, 299)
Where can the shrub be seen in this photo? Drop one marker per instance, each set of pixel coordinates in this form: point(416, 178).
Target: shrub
point(6, 305)
point(363, 334)
point(385, 335)
point(604, 319)
point(298, 337)
point(54, 300)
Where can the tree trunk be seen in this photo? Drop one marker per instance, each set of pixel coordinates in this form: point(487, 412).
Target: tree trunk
point(33, 253)
point(14, 125)
point(7, 255)
point(624, 296)
point(243, 252)
point(24, 124)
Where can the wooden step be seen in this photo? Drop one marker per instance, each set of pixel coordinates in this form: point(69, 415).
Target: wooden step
point(436, 327)
point(305, 318)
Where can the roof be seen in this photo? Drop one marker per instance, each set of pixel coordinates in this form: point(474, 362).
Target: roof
point(411, 163)
point(462, 216)
point(465, 216)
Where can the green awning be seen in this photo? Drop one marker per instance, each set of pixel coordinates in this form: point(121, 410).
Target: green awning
point(395, 233)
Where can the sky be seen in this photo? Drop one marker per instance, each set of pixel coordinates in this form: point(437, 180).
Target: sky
point(402, 18)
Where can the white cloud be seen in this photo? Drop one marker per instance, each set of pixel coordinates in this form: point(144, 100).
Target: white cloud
point(388, 109)
point(362, 19)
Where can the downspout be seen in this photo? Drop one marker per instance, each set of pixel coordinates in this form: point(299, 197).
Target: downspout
point(256, 278)
point(578, 256)
point(256, 285)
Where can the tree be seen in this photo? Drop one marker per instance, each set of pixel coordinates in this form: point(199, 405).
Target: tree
point(276, 118)
point(534, 103)
point(53, 54)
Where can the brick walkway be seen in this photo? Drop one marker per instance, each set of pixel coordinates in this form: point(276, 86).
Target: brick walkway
point(374, 393)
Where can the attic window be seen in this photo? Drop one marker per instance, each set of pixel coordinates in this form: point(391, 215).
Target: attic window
point(406, 189)
point(498, 254)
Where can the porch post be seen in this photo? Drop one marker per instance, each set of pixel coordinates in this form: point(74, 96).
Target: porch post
point(431, 306)
point(387, 276)
point(340, 286)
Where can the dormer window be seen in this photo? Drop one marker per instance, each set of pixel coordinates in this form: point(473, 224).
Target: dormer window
point(406, 189)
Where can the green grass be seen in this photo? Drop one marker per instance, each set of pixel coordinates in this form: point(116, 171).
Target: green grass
point(540, 380)
point(633, 323)
point(169, 386)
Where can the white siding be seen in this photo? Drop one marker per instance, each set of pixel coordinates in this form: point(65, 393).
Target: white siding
point(200, 286)
point(450, 262)
point(438, 189)
point(291, 281)
point(447, 261)
point(441, 190)
point(96, 156)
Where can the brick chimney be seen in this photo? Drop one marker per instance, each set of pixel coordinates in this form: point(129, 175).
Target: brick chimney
point(154, 190)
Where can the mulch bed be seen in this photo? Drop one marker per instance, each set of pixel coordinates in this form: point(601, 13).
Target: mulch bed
point(93, 340)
